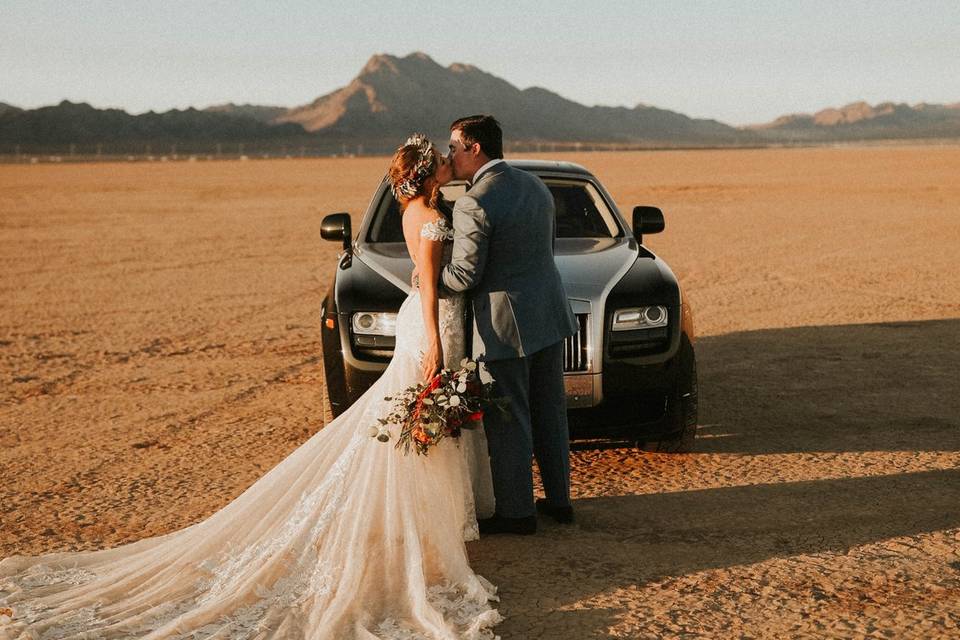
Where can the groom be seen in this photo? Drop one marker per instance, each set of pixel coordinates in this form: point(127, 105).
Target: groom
point(503, 256)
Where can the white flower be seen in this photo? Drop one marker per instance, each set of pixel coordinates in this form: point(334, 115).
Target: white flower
point(454, 401)
point(471, 366)
point(463, 363)
point(427, 401)
point(461, 387)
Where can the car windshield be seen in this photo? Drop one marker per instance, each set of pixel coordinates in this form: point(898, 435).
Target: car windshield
point(581, 211)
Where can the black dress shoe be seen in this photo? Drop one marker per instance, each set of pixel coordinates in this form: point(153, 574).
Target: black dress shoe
point(563, 515)
point(499, 524)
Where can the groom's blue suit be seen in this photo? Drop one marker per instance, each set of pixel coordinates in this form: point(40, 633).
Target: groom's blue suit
point(503, 258)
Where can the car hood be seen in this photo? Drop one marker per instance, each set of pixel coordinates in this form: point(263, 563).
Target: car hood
point(587, 265)
point(390, 260)
point(591, 265)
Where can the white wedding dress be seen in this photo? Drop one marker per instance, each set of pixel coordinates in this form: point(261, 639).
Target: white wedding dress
point(346, 538)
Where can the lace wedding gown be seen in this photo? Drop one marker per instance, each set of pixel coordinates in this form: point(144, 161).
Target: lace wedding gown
point(346, 538)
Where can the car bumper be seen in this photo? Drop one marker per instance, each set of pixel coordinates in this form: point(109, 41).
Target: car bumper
point(634, 403)
point(598, 405)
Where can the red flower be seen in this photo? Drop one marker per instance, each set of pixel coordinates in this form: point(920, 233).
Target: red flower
point(434, 384)
point(417, 412)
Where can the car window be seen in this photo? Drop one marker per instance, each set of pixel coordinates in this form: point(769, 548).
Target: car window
point(581, 212)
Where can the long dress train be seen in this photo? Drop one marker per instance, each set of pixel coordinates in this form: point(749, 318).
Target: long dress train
point(345, 538)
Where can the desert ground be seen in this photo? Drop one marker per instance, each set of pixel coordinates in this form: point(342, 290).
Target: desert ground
point(159, 350)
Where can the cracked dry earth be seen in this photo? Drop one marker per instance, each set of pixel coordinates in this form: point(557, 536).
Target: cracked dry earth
point(159, 350)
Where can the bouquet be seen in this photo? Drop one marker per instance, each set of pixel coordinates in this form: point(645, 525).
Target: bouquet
point(428, 412)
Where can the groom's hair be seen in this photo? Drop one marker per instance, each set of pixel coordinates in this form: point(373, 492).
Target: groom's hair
point(483, 130)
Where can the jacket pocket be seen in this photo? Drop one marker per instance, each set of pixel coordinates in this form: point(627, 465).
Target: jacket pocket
point(504, 321)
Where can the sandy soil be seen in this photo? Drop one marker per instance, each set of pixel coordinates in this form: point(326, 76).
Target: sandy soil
point(159, 349)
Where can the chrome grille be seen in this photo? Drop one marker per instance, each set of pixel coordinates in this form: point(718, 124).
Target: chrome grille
point(575, 347)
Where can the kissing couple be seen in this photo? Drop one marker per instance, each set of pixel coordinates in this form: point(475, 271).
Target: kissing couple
point(346, 537)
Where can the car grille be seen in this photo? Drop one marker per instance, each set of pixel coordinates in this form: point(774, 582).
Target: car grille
point(575, 347)
point(575, 359)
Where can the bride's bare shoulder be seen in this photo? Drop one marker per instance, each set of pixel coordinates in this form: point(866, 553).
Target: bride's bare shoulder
point(418, 214)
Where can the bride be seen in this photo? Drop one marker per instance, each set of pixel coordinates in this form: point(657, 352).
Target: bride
point(345, 538)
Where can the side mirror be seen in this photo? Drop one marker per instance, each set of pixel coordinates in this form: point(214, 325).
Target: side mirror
point(646, 220)
point(336, 227)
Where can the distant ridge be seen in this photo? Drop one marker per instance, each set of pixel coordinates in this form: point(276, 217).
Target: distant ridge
point(859, 120)
point(393, 96)
point(81, 124)
point(265, 114)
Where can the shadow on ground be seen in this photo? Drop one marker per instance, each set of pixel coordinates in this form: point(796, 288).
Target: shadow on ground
point(872, 387)
point(634, 540)
point(878, 387)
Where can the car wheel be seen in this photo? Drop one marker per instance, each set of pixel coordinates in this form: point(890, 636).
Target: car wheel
point(334, 383)
point(682, 409)
point(326, 407)
point(333, 391)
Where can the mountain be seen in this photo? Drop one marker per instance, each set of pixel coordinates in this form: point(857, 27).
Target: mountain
point(82, 124)
point(392, 97)
point(260, 113)
point(860, 121)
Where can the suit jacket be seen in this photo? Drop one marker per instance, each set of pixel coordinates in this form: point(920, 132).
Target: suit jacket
point(503, 258)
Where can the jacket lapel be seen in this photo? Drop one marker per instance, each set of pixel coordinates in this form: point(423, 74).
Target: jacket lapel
point(496, 169)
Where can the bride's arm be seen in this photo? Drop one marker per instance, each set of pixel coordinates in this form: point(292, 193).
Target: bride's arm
point(429, 253)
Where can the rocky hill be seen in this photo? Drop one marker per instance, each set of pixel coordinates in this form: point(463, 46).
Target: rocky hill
point(393, 96)
point(260, 113)
point(83, 126)
point(5, 108)
point(861, 121)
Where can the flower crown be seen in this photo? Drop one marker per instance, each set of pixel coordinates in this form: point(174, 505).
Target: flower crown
point(409, 187)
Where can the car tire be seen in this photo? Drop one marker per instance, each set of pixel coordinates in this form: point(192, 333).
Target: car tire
point(334, 382)
point(681, 406)
point(326, 407)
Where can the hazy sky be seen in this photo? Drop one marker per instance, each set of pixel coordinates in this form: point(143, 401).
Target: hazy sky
point(738, 62)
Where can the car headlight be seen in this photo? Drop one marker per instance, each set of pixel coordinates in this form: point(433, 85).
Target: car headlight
point(374, 323)
point(639, 318)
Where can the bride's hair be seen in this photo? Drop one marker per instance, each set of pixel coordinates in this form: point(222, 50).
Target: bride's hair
point(412, 171)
